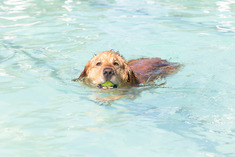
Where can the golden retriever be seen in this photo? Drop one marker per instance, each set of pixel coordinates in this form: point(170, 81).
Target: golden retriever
point(111, 66)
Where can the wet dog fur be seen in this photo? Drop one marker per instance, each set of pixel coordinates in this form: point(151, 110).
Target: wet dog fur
point(111, 66)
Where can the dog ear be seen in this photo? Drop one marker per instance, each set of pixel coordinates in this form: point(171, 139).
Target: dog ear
point(82, 75)
point(129, 75)
point(132, 78)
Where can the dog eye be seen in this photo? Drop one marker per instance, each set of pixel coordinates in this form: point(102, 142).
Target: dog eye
point(98, 63)
point(115, 63)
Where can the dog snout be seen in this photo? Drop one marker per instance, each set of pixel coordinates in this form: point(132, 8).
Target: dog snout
point(108, 73)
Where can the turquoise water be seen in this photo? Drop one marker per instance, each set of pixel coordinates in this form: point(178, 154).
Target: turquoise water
point(46, 43)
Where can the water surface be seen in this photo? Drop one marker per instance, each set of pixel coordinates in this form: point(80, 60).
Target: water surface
point(44, 44)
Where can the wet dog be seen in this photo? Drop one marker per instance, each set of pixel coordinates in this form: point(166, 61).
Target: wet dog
point(111, 66)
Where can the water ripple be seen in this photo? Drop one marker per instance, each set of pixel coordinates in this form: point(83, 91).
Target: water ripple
point(21, 25)
point(6, 54)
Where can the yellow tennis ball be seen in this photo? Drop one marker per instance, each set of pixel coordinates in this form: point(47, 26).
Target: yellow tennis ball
point(107, 84)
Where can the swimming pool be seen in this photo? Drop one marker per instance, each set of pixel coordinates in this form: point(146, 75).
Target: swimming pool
point(46, 43)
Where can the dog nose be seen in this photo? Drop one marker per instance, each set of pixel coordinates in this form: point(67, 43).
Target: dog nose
point(108, 72)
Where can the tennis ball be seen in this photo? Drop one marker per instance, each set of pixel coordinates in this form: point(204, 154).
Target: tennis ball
point(107, 84)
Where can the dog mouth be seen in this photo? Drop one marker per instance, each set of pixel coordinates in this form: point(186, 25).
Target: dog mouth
point(107, 85)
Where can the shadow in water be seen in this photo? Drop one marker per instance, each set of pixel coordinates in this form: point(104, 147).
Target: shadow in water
point(37, 61)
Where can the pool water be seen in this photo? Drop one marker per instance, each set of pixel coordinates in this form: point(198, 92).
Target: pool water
point(44, 44)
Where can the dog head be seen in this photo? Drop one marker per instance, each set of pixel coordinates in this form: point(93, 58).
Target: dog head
point(108, 66)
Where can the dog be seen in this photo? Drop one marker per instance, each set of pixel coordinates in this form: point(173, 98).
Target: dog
point(111, 66)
